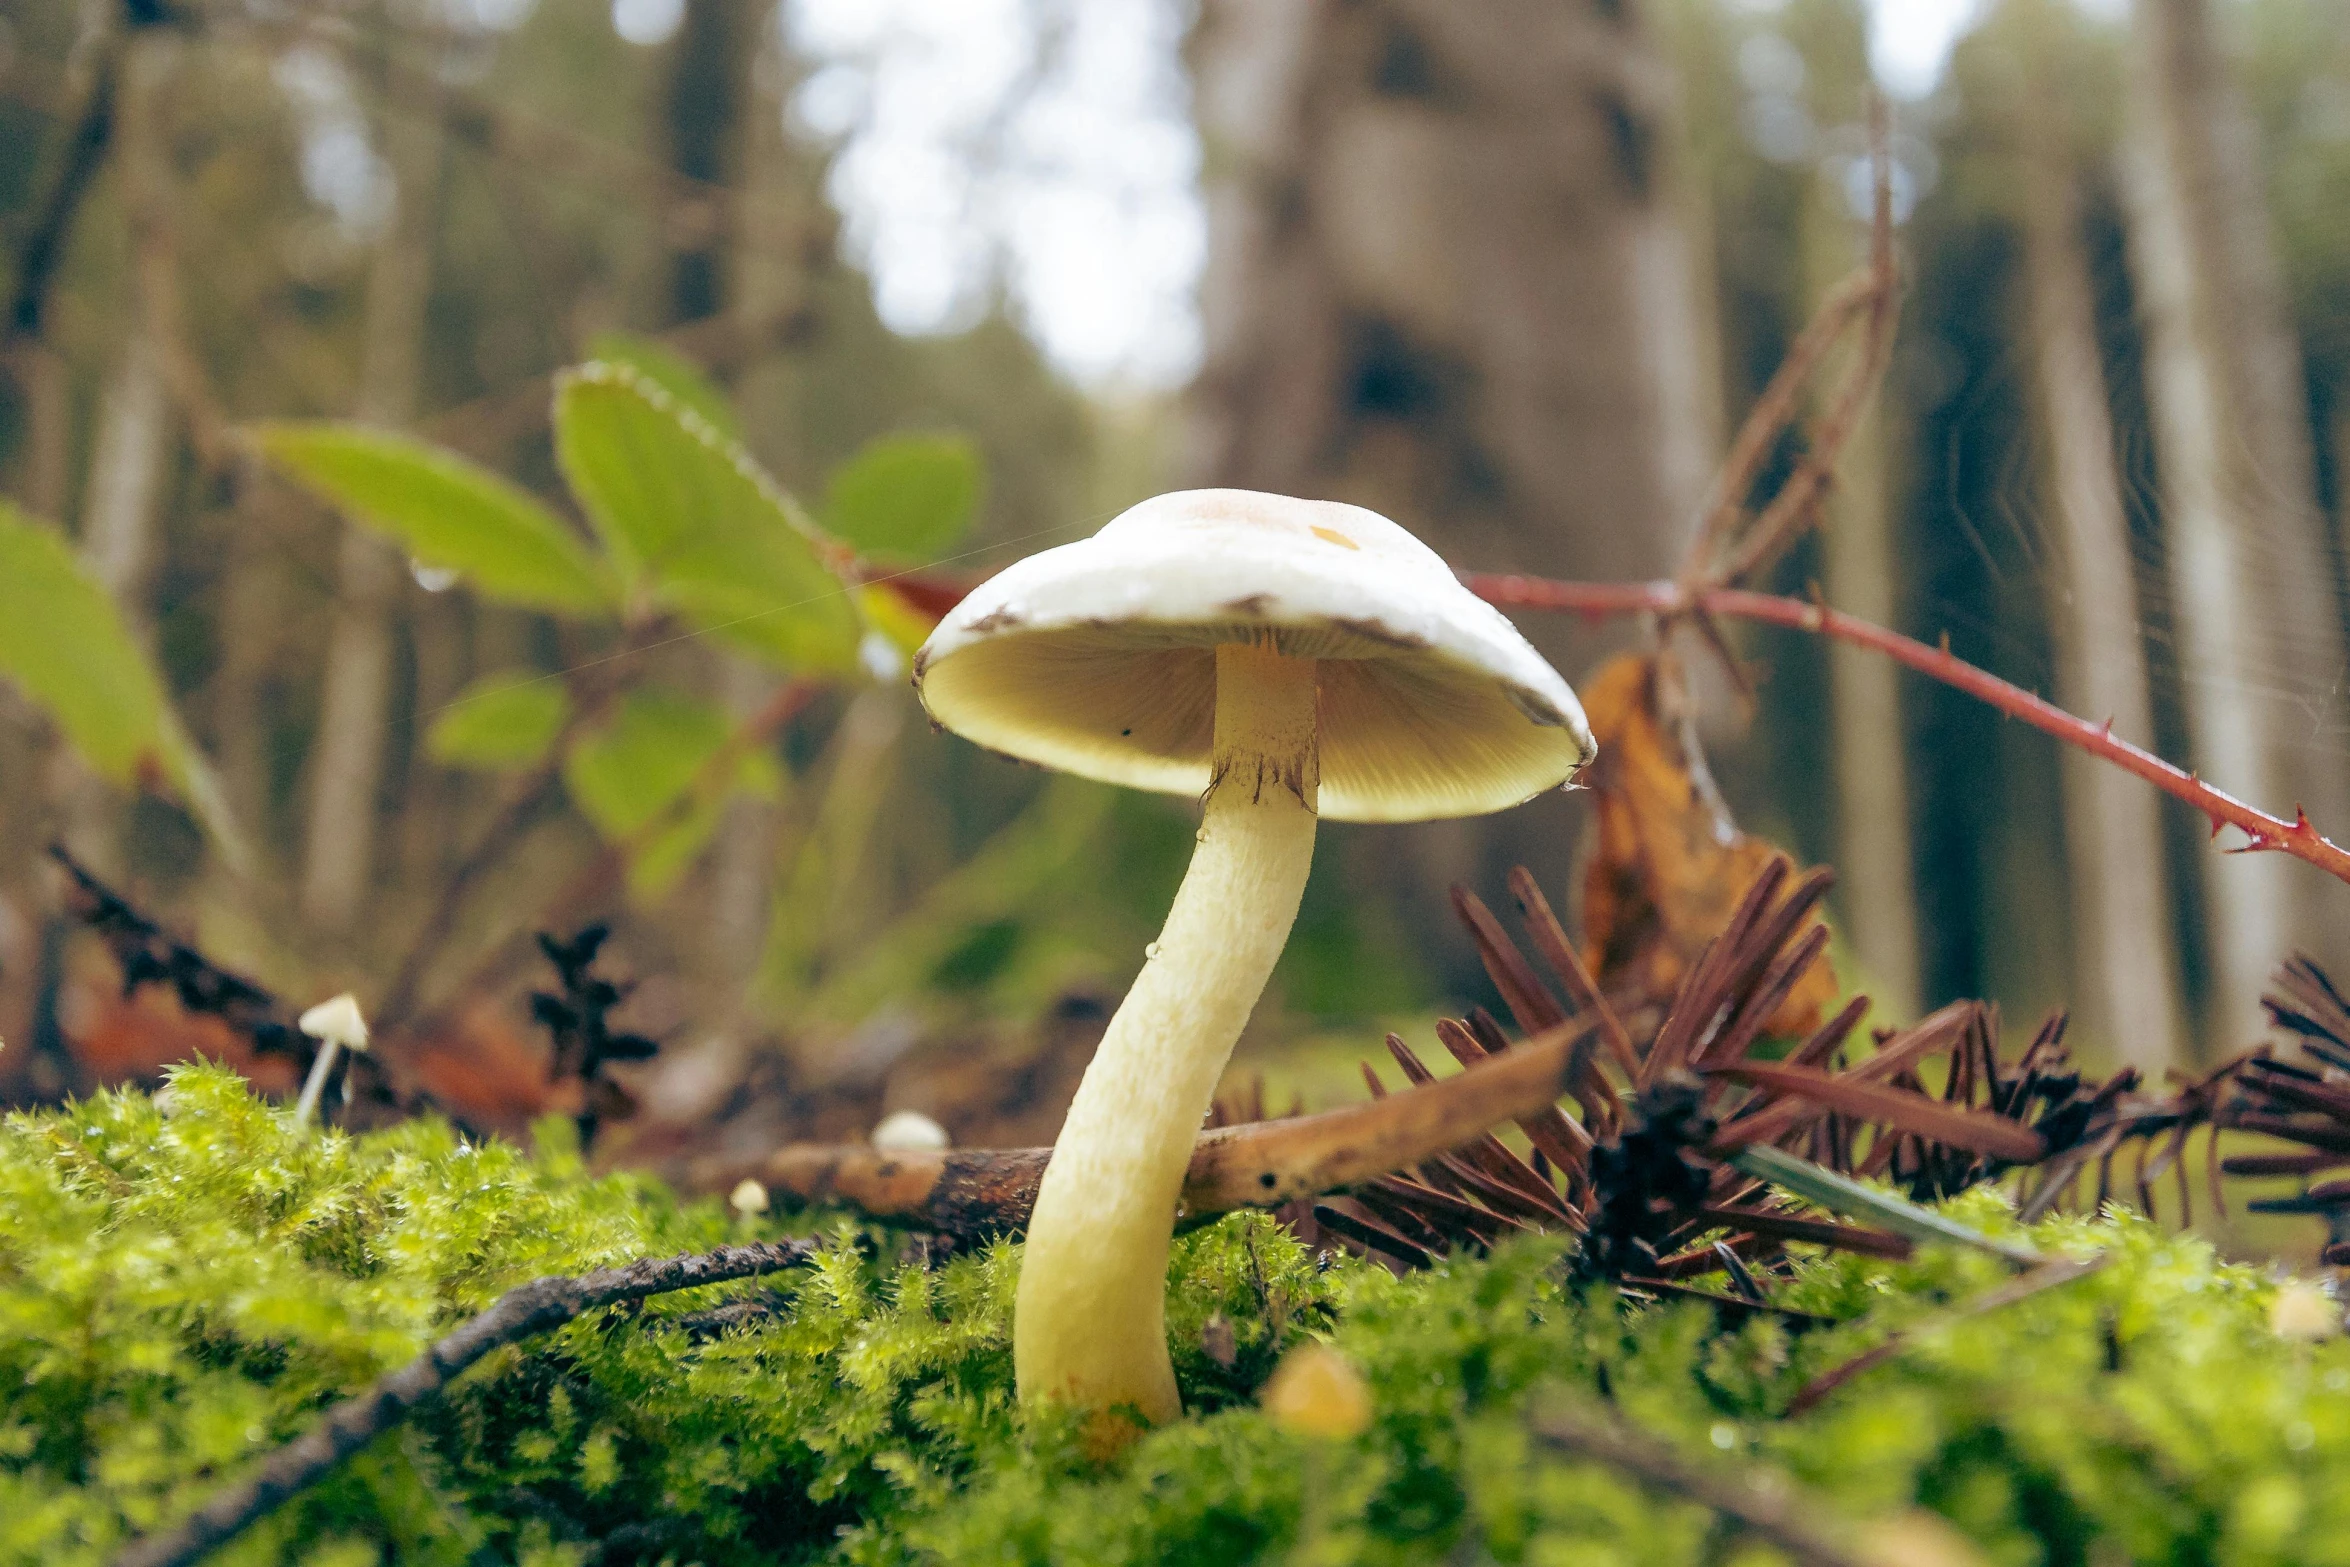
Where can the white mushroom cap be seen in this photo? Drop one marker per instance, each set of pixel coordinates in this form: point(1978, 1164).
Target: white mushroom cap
point(337, 1021)
point(1098, 658)
point(908, 1131)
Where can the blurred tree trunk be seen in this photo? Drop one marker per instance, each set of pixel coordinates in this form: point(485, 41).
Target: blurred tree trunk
point(347, 762)
point(252, 617)
point(2122, 937)
point(1876, 877)
point(2255, 599)
point(1446, 279)
point(709, 83)
point(724, 130)
point(131, 452)
point(132, 448)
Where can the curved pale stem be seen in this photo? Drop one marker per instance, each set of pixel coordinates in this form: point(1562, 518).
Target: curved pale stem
point(1089, 1326)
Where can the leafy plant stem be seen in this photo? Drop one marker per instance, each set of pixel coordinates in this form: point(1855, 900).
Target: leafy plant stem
point(593, 691)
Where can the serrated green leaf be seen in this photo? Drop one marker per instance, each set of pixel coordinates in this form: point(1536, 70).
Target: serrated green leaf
point(445, 512)
point(905, 497)
point(670, 370)
point(695, 525)
point(636, 770)
point(501, 722)
point(63, 643)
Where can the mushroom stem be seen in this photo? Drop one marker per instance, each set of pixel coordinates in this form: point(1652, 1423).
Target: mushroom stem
point(1089, 1325)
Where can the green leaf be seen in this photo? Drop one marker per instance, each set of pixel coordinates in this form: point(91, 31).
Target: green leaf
point(501, 722)
point(905, 496)
point(1841, 1194)
point(695, 525)
point(670, 370)
point(633, 774)
point(63, 643)
point(445, 512)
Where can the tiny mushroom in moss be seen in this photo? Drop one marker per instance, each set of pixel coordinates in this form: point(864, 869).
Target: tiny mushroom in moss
point(1283, 660)
point(337, 1026)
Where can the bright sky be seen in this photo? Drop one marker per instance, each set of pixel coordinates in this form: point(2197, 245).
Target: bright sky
point(1083, 212)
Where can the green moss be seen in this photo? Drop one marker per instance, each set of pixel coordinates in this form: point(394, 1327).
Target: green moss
point(181, 1292)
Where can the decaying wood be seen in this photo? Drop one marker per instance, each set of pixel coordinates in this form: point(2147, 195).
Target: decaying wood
point(981, 1192)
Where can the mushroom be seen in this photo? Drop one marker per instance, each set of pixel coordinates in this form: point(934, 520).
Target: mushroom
point(1283, 660)
point(338, 1027)
point(908, 1131)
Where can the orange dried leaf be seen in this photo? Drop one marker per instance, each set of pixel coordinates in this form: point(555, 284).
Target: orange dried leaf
point(1670, 867)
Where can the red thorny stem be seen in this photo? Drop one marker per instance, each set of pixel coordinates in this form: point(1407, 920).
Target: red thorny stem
point(1595, 600)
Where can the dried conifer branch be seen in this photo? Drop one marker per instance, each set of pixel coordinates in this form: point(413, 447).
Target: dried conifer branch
point(150, 955)
point(577, 1018)
point(979, 1192)
point(520, 1313)
point(1777, 1515)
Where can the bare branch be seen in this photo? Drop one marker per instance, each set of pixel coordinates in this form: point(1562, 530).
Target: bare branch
point(1717, 556)
point(1878, 286)
point(1597, 600)
point(1777, 1514)
point(2048, 1275)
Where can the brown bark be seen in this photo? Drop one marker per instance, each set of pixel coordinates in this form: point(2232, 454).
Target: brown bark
point(2126, 985)
point(1445, 279)
point(2254, 595)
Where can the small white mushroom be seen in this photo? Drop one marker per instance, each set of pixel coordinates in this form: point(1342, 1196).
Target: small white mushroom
point(2304, 1312)
point(337, 1026)
point(1282, 660)
point(748, 1198)
point(910, 1131)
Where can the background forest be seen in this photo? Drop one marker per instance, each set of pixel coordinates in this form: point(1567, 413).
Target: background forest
point(1509, 273)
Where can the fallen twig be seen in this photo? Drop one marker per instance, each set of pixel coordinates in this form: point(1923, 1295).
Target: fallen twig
point(2062, 1270)
point(1777, 1514)
point(1264, 1164)
point(520, 1313)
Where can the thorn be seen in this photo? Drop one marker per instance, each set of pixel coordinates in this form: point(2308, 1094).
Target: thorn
point(1943, 642)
